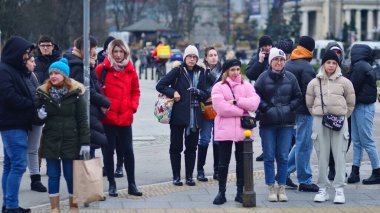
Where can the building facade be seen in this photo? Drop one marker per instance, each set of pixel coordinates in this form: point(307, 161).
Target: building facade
point(321, 18)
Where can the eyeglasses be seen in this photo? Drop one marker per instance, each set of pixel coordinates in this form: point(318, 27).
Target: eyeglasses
point(278, 59)
point(45, 46)
point(192, 56)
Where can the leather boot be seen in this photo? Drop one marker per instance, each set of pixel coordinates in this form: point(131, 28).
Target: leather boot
point(36, 184)
point(221, 196)
point(73, 206)
point(215, 148)
point(189, 167)
point(202, 153)
point(54, 204)
point(132, 190)
point(355, 175)
point(239, 177)
point(175, 160)
point(112, 191)
point(374, 178)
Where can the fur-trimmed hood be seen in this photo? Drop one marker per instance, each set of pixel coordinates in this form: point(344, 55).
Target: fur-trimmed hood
point(76, 86)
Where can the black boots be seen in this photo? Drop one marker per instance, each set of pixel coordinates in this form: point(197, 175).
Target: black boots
point(132, 190)
point(221, 196)
point(215, 148)
point(119, 171)
point(374, 178)
point(202, 153)
point(239, 176)
point(189, 168)
point(175, 160)
point(18, 210)
point(354, 176)
point(36, 184)
point(112, 191)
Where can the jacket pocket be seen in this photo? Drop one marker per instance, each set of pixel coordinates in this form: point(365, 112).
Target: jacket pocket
point(314, 138)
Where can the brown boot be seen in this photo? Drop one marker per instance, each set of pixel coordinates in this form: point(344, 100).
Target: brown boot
point(54, 203)
point(73, 206)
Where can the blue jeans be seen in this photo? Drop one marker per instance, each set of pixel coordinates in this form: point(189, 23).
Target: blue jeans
point(54, 174)
point(276, 144)
point(303, 148)
point(362, 134)
point(15, 161)
point(292, 158)
point(206, 132)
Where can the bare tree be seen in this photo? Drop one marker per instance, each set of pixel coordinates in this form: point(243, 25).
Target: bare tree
point(126, 12)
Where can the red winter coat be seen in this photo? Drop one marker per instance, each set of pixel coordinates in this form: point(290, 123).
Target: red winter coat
point(123, 90)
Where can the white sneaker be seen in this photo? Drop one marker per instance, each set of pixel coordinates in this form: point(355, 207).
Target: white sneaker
point(282, 195)
point(322, 195)
point(339, 196)
point(272, 196)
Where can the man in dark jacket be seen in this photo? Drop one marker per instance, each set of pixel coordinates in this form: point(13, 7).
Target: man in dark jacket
point(17, 111)
point(47, 53)
point(98, 102)
point(299, 157)
point(259, 62)
point(103, 54)
point(364, 81)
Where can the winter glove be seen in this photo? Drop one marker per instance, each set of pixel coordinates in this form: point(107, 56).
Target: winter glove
point(42, 114)
point(194, 91)
point(85, 152)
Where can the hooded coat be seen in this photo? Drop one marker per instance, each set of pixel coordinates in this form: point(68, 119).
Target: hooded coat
point(66, 128)
point(362, 74)
point(255, 68)
point(300, 66)
point(123, 90)
point(17, 108)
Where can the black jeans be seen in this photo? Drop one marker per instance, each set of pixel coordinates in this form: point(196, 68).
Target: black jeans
point(177, 133)
point(122, 135)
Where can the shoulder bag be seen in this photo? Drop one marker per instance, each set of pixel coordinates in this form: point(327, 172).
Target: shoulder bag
point(329, 120)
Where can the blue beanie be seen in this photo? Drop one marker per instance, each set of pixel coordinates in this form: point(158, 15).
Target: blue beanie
point(61, 66)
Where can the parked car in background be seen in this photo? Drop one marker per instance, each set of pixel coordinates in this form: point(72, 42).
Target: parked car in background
point(177, 55)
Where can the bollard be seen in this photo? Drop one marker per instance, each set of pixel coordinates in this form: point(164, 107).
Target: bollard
point(249, 195)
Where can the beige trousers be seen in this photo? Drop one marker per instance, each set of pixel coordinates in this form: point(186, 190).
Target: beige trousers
point(324, 140)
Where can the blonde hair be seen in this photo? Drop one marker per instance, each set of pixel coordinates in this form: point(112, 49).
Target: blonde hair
point(66, 83)
point(121, 44)
point(225, 75)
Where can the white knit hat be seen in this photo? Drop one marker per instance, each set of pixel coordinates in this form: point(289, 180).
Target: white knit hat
point(274, 52)
point(190, 50)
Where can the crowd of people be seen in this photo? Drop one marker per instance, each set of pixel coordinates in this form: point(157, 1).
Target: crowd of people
point(43, 115)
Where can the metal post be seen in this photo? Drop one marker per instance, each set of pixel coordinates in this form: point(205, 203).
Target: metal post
point(249, 195)
point(228, 23)
point(86, 51)
point(0, 44)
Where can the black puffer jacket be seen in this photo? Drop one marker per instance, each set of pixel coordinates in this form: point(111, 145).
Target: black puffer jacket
point(17, 108)
point(97, 100)
point(280, 95)
point(44, 61)
point(255, 68)
point(362, 75)
point(178, 80)
point(304, 73)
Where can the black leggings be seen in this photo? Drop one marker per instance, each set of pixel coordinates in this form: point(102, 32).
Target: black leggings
point(122, 135)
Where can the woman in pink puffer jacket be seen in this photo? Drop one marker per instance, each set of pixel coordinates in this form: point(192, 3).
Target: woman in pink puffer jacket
point(231, 98)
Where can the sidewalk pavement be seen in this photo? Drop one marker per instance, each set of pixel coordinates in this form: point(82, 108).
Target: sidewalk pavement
point(165, 197)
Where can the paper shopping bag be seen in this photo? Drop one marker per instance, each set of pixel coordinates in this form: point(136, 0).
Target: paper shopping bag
point(88, 180)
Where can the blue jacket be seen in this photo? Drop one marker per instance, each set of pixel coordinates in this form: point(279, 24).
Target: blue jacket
point(17, 108)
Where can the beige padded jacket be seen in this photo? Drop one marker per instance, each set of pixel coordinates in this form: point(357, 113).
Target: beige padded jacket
point(338, 94)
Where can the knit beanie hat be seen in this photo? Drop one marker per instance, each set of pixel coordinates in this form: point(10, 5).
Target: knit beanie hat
point(107, 41)
point(230, 63)
point(265, 40)
point(275, 52)
point(330, 55)
point(307, 42)
point(61, 66)
point(190, 50)
point(285, 45)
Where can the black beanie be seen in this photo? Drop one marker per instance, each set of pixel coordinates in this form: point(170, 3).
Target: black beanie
point(107, 41)
point(307, 42)
point(265, 40)
point(230, 63)
point(330, 55)
point(285, 45)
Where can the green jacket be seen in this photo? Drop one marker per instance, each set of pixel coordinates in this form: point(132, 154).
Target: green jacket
point(66, 125)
